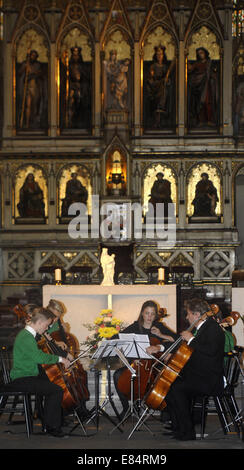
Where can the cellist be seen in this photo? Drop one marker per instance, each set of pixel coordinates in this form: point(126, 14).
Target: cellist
point(27, 356)
point(57, 308)
point(69, 345)
point(202, 374)
point(147, 324)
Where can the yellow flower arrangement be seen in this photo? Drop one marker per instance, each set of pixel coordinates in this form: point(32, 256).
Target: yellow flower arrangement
point(104, 326)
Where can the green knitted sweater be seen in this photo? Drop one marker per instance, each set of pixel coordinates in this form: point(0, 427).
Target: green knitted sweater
point(27, 356)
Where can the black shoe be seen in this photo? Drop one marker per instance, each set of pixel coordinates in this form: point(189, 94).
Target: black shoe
point(56, 432)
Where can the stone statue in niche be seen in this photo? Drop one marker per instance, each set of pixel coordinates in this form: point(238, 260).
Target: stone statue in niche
point(116, 73)
point(206, 198)
point(32, 93)
point(75, 192)
point(75, 91)
point(108, 265)
point(161, 190)
point(203, 91)
point(159, 91)
point(31, 202)
point(160, 193)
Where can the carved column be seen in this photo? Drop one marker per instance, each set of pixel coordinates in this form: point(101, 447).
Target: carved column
point(97, 90)
point(227, 72)
point(181, 83)
point(53, 91)
point(52, 202)
point(137, 89)
point(8, 92)
point(227, 197)
point(182, 196)
point(7, 186)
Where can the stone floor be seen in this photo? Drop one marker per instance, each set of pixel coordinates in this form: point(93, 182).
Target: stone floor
point(100, 437)
point(101, 433)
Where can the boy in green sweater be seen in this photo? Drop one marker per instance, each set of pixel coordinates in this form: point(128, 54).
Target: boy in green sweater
point(27, 359)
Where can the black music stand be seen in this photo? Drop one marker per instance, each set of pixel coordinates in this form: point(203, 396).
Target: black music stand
point(134, 347)
point(104, 351)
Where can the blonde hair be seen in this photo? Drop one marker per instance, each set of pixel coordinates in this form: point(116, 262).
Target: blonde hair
point(57, 305)
point(41, 313)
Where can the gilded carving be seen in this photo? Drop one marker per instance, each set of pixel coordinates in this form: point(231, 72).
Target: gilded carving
point(195, 176)
point(150, 178)
point(206, 38)
point(75, 81)
point(31, 81)
point(83, 179)
point(38, 180)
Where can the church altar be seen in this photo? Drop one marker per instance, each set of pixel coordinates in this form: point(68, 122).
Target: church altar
point(83, 303)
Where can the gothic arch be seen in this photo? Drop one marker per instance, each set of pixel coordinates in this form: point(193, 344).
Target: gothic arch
point(149, 176)
point(19, 177)
point(64, 174)
point(193, 175)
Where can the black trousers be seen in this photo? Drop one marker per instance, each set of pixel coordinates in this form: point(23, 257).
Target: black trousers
point(52, 394)
point(179, 401)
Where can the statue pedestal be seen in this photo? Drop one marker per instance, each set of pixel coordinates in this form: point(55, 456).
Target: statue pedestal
point(204, 220)
point(30, 220)
point(83, 220)
point(117, 119)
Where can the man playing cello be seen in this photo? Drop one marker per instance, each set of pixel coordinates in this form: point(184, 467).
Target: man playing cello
point(202, 374)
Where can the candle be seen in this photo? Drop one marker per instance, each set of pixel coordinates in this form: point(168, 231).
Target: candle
point(161, 274)
point(109, 301)
point(58, 275)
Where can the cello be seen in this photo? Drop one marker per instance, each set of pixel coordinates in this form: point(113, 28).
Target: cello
point(155, 397)
point(145, 373)
point(66, 379)
point(80, 373)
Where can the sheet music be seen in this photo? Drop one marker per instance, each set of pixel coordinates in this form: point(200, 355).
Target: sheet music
point(135, 345)
point(131, 345)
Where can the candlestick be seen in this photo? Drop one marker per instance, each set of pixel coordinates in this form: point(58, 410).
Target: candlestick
point(58, 276)
point(110, 301)
point(161, 277)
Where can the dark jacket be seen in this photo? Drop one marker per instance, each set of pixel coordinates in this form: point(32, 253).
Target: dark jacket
point(206, 362)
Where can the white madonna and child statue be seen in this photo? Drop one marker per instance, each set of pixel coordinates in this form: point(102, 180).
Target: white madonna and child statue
point(108, 264)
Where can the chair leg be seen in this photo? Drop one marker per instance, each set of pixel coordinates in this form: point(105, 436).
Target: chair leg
point(3, 402)
point(28, 415)
point(232, 416)
point(204, 415)
point(14, 405)
point(222, 414)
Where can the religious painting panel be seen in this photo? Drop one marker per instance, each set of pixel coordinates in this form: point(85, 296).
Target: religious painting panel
point(204, 102)
point(238, 93)
point(159, 186)
point(30, 195)
point(75, 82)
point(159, 81)
point(204, 193)
point(117, 73)
point(74, 186)
point(31, 83)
